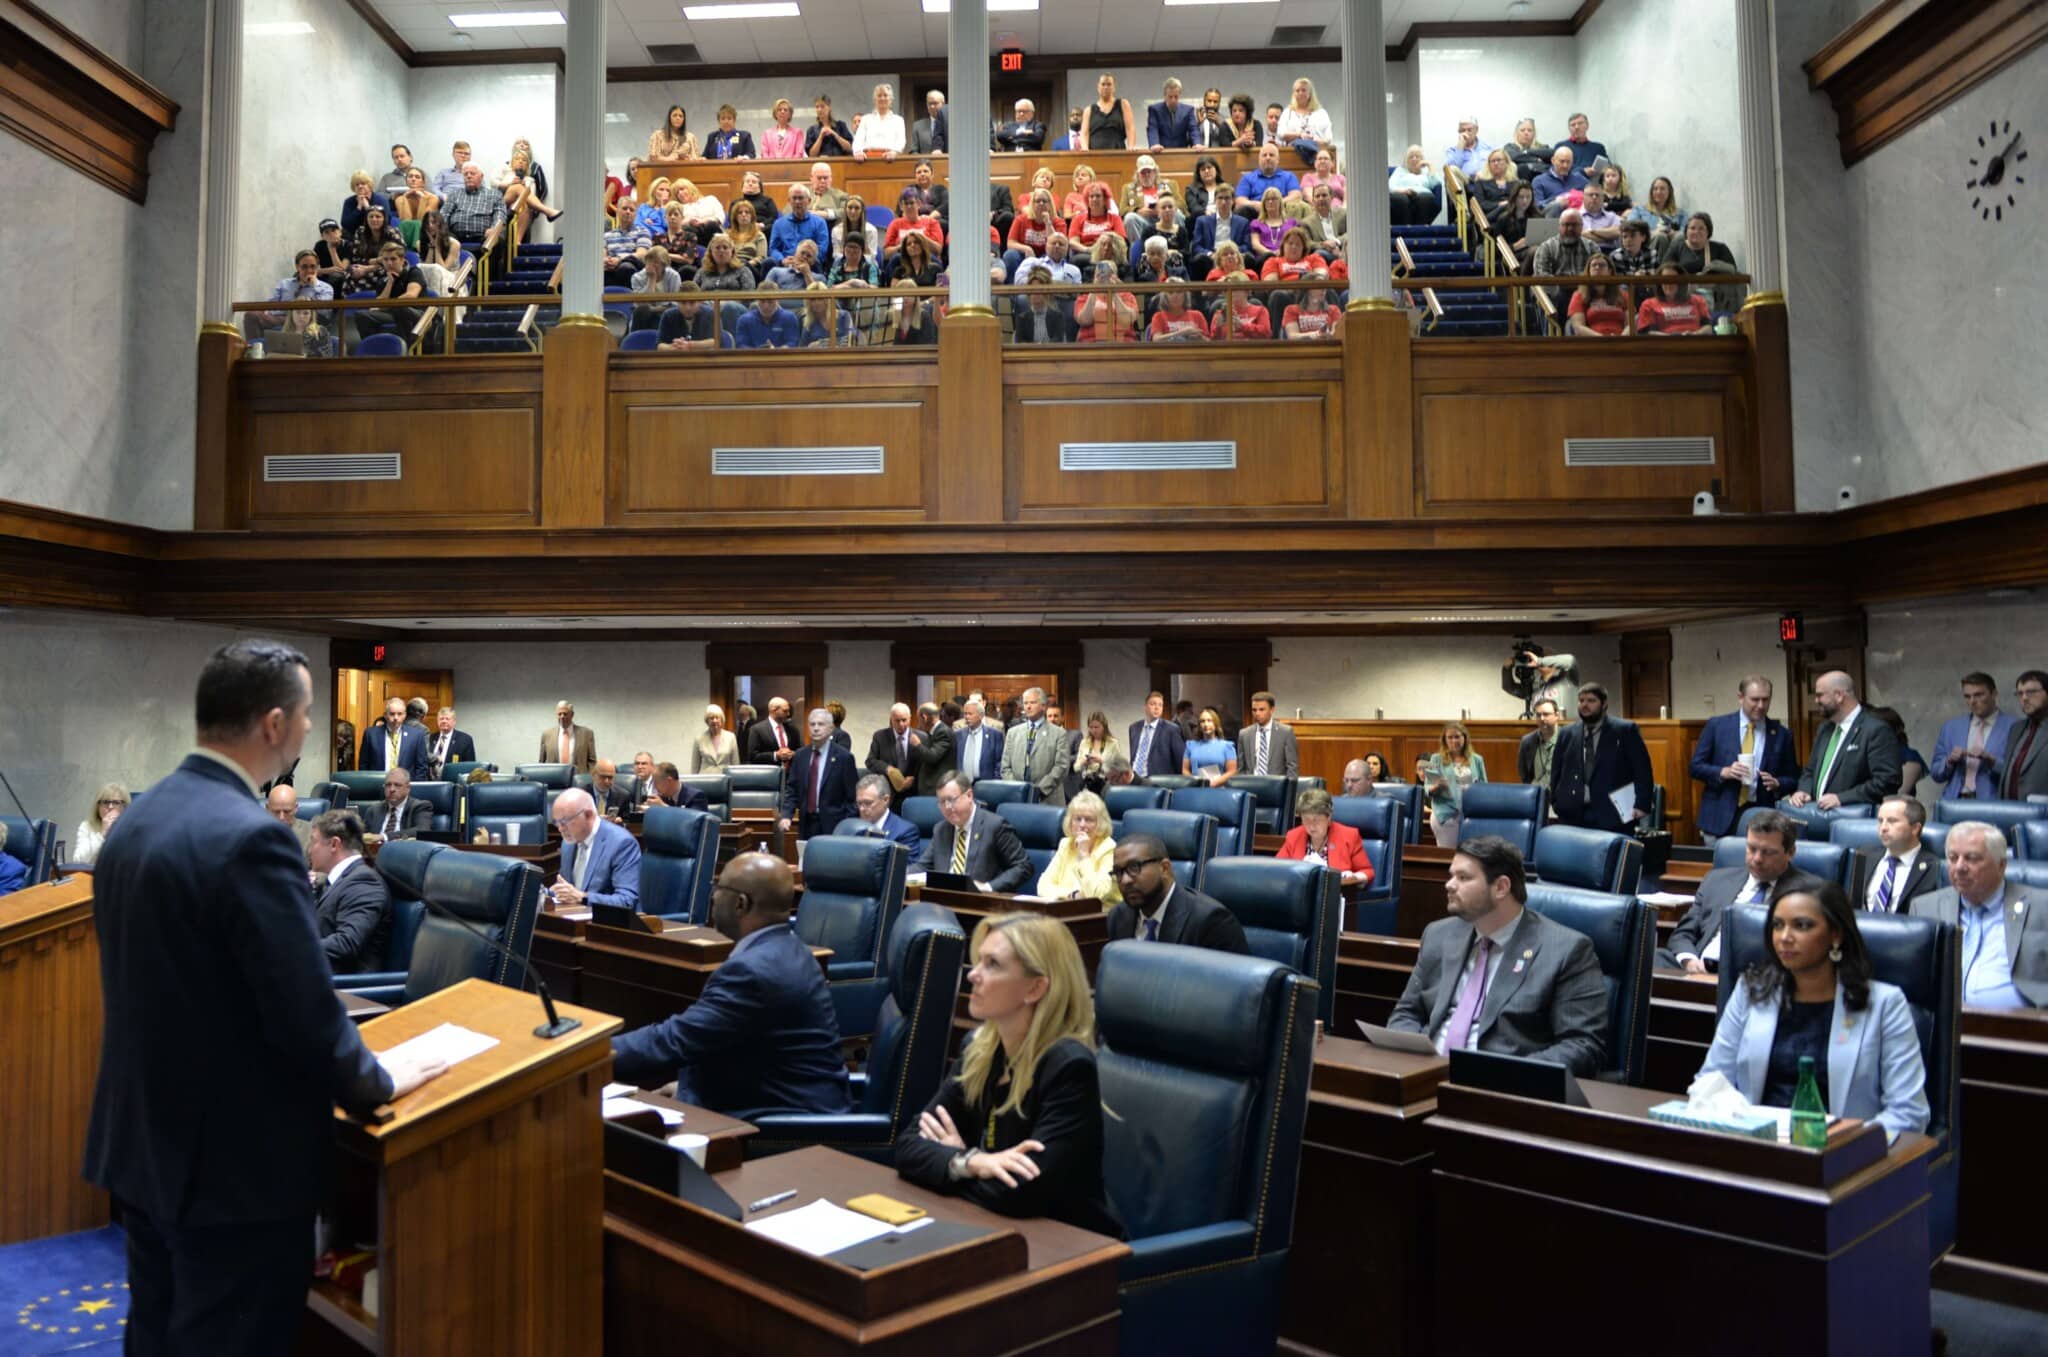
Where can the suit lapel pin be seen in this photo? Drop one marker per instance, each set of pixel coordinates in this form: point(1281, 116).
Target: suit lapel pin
point(1528, 954)
point(2019, 907)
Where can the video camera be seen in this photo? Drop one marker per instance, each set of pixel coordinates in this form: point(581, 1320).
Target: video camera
point(1518, 679)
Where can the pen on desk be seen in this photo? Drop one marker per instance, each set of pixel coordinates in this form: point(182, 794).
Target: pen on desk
point(766, 1202)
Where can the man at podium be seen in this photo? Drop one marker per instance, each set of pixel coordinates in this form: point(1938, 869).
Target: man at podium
point(225, 1048)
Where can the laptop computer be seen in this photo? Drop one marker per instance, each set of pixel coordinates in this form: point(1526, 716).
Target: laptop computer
point(947, 881)
point(655, 1163)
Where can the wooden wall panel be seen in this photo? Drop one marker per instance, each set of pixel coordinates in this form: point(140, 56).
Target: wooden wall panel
point(462, 465)
point(1497, 448)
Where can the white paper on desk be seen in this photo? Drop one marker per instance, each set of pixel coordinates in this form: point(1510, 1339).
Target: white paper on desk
point(626, 1107)
point(612, 1091)
point(1624, 799)
point(1386, 1037)
point(1655, 898)
point(820, 1228)
point(447, 1043)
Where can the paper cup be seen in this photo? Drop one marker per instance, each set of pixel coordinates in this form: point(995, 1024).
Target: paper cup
point(511, 833)
point(692, 1144)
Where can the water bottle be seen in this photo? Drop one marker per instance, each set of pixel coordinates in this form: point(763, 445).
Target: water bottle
point(1809, 1115)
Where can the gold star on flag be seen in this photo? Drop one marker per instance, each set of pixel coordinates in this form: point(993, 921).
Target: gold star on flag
point(91, 1307)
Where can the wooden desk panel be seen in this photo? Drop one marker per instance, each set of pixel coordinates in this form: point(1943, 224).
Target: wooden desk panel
point(461, 465)
point(2001, 1250)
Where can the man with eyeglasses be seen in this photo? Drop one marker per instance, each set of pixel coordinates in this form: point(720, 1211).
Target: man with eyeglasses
point(974, 843)
point(600, 859)
point(402, 816)
point(762, 1035)
point(2024, 772)
point(1156, 908)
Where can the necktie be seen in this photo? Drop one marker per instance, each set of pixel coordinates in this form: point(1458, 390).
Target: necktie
point(583, 856)
point(565, 747)
point(960, 851)
point(903, 750)
point(1827, 758)
point(1143, 766)
point(441, 751)
point(781, 740)
point(1151, 930)
point(1757, 891)
point(2018, 761)
point(1884, 887)
point(391, 743)
point(1592, 749)
point(818, 760)
point(1259, 766)
point(1030, 738)
point(1748, 748)
point(391, 823)
point(1474, 994)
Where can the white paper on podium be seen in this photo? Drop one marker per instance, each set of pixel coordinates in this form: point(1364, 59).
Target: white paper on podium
point(1624, 799)
point(447, 1043)
point(820, 1228)
point(1388, 1039)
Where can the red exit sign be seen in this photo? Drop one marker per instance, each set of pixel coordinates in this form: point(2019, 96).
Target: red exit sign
point(1791, 628)
point(1012, 60)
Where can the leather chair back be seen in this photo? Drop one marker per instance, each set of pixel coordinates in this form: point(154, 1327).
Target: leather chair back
point(753, 786)
point(1231, 809)
point(1272, 801)
point(32, 843)
point(365, 791)
point(2029, 840)
point(994, 791)
point(1290, 911)
point(853, 891)
point(403, 865)
point(552, 775)
point(1624, 934)
point(1378, 820)
point(908, 1056)
point(1859, 834)
point(1814, 823)
point(459, 771)
point(922, 811)
point(1922, 957)
point(1828, 861)
point(1133, 796)
point(1172, 782)
point(1038, 828)
point(678, 860)
point(1409, 796)
point(1190, 840)
point(1585, 859)
point(444, 798)
point(499, 896)
point(1204, 1059)
point(310, 807)
point(2033, 874)
point(713, 788)
point(1302, 784)
point(496, 806)
point(2006, 815)
point(335, 794)
point(1513, 810)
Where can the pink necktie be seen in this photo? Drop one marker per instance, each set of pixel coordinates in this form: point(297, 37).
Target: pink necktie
point(565, 746)
point(1467, 1011)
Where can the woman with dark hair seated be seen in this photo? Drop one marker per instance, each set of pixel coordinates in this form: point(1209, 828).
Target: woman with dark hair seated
point(368, 244)
point(1376, 769)
point(1812, 996)
point(1202, 192)
point(1018, 1129)
point(1600, 309)
point(1673, 309)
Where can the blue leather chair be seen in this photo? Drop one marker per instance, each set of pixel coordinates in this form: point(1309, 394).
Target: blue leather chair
point(556, 776)
point(1172, 782)
point(1038, 828)
point(2006, 815)
point(1828, 861)
point(459, 772)
point(922, 811)
point(753, 786)
point(907, 1055)
point(335, 794)
point(1378, 821)
point(1204, 1062)
point(1814, 823)
point(678, 861)
point(1410, 798)
point(500, 897)
point(1272, 801)
point(444, 798)
point(496, 806)
point(1231, 809)
point(995, 791)
point(1190, 840)
point(712, 787)
point(2028, 873)
point(403, 865)
point(1123, 800)
point(1290, 911)
point(853, 891)
point(1589, 859)
point(1920, 956)
point(2028, 840)
point(310, 807)
point(1624, 934)
point(365, 790)
point(1858, 834)
point(1512, 810)
point(32, 843)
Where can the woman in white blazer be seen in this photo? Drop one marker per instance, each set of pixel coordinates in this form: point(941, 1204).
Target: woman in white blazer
point(716, 748)
point(1813, 995)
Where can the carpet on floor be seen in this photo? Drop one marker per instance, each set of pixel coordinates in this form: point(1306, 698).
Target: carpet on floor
point(67, 1293)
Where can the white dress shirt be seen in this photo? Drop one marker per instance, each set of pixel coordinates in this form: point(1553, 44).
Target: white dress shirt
point(1899, 875)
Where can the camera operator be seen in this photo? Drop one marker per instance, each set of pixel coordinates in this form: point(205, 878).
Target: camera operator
point(1546, 677)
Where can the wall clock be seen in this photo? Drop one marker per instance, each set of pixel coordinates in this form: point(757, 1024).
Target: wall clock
point(1997, 170)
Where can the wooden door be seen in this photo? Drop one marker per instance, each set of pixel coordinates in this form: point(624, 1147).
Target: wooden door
point(360, 695)
point(1645, 675)
point(1831, 643)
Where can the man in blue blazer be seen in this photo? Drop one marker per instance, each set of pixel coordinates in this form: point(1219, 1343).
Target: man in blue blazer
point(224, 1049)
point(1967, 752)
point(446, 744)
point(977, 744)
point(1170, 124)
point(1718, 761)
point(600, 859)
point(393, 733)
point(1212, 229)
point(1582, 789)
point(873, 818)
point(818, 793)
point(351, 905)
point(1156, 744)
point(762, 1035)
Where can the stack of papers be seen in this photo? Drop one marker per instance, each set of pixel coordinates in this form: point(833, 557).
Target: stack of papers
point(824, 1227)
point(626, 1107)
point(447, 1043)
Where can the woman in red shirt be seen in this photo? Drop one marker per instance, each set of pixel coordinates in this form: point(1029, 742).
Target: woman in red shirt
point(1293, 261)
point(1314, 317)
point(1318, 838)
point(910, 217)
point(1076, 201)
point(1099, 220)
point(1243, 316)
point(1033, 227)
point(1601, 309)
point(1174, 323)
point(1106, 317)
point(1673, 310)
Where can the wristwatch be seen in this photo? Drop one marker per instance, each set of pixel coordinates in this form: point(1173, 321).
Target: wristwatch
point(956, 1167)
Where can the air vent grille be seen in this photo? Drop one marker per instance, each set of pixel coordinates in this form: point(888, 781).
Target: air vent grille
point(333, 466)
point(1298, 35)
point(675, 54)
point(848, 461)
point(1162, 456)
point(1638, 452)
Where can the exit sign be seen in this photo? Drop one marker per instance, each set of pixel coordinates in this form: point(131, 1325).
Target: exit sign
point(1791, 628)
point(1012, 60)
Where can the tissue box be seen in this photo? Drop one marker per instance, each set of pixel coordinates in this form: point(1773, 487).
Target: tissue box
point(1677, 1112)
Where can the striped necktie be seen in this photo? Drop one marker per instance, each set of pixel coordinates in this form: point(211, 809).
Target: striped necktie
point(1260, 766)
point(1884, 887)
point(960, 851)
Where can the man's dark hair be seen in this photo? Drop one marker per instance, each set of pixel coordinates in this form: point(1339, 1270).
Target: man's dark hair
point(242, 682)
point(1706, 221)
point(401, 146)
point(949, 712)
point(2030, 676)
point(345, 825)
point(1598, 690)
point(1778, 823)
point(1767, 977)
point(1916, 811)
point(1147, 846)
point(955, 779)
point(1978, 676)
point(1498, 858)
point(667, 770)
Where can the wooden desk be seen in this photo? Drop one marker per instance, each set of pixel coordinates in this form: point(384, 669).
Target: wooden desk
point(1425, 868)
point(648, 977)
point(50, 1011)
point(2001, 1251)
point(1087, 920)
point(672, 1269)
point(728, 1135)
point(1372, 970)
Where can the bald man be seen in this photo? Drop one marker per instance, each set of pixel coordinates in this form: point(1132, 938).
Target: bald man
point(1855, 756)
point(612, 799)
point(600, 859)
point(283, 805)
point(762, 1035)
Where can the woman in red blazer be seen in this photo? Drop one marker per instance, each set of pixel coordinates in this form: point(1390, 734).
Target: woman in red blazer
point(1316, 836)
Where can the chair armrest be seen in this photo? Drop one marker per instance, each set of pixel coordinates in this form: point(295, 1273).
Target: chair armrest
point(369, 980)
point(850, 970)
point(1228, 1241)
point(391, 996)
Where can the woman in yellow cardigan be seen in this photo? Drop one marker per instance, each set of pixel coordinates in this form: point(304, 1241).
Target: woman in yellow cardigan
point(1081, 866)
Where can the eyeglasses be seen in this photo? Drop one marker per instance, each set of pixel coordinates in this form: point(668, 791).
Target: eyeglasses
point(563, 822)
point(1133, 868)
point(104, 804)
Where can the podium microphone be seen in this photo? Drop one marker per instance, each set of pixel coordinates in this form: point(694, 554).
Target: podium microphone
point(556, 1025)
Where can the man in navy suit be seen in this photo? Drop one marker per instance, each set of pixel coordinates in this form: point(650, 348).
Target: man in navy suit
point(873, 818)
point(818, 793)
point(977, 744)
point(393, 734)
point(1170, 124)
point(670, 791)
point(446, 744)
point(1596, 758)
point(762, 1035)
point(1022, 133)
point(1156, 744)
point(352, 908)
point(224, 1050)
point(600, 859)
point(1212, 229)
point(1967, 750)
point(1743, 758)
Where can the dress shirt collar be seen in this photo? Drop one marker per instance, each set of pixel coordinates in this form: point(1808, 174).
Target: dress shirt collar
point(1991, 905)
point(1160, 912)
point(1848, 718)
point(237, 769)
point(334, 873)
point(1505, 934)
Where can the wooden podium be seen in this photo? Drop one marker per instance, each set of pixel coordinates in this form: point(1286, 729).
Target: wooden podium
point(50, 1011)
point(484, 1193)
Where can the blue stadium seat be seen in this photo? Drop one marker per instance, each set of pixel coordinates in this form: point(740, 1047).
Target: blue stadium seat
point(1038, 829)
point(1190, 840)
point(1378, 822)
point(853, 891)
point(1290, 912)
point(678, 860)
point(1231, 809)
point(1623, 931)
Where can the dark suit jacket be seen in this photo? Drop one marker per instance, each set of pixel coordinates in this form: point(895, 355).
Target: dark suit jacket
point(1717, 891)
point(835, 797)
point(989, 762)
point(920, 140)
point(1922, 878)
point(1190, 918)
point(882, 757)
point(1622, 759)
point(761, 1037)
point(1016, 136)
point(1169, 745)
point(1866, 767)
point(13, 873)
point(461, 749)
point(1175, 131)
point(2033, 773)
point(995, 854)
point(1208, 135)
point(1547, 1000)
point(1202, 240)
point(688, 797)
point(619, 799)
point(225, 1114)
point(761, 740)
point(935, 758)
point(414, 816)
point(412, 751)
point(893, 827)
point(1525, 755)
point(1719, 745)
point(354, 916)
point(942, 129)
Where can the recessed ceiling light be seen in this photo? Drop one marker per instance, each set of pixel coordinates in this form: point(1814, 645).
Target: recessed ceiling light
point(528, 18)
point(994, 6)
point(1171, 3)
point(771, 9)
point(289, 29)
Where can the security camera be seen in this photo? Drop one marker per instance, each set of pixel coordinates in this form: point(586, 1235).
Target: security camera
point(1845, 497)
point(1703, 505)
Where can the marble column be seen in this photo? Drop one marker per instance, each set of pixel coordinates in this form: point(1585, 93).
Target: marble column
point(967, 153)
point(1756, 68)
point(1364, 133)
point(223, 159)
point(580, 159)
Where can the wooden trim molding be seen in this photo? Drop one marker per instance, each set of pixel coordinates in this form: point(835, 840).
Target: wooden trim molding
point(76, 104)
point(1906, 60)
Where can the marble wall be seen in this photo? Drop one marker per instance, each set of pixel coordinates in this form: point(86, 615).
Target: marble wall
point(489, 107)
point(1420, 676)
point(634, 109)
point(1709, 658)
point(113, 26)
point(1499, 81)
point(1918, 652)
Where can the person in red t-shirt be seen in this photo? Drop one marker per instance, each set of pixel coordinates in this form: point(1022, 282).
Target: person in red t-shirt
point(1174, 323)
point(1107, 317)
point(1673, 310)
point(1293, 261)
point(1243, 315)
point(1099, 220)
point(1313, 317)
point(910, 216)
point(1599, 309)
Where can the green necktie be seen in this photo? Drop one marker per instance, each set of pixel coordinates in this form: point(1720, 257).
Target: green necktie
point(1827, 758)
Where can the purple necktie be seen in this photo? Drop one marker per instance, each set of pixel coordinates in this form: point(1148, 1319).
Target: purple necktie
point(1467, 1011)
point(1884, 887)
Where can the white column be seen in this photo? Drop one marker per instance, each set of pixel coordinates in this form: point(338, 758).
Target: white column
point(967, 152)
point(223, 157)
point(1364, 142)
point(580, 159)
point(1756, 69)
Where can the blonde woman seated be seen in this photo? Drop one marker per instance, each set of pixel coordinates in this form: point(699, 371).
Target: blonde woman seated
point(1080, 869)
point(1019, 1128)
point(716, 748)
point(92, 830)
point(701, 210)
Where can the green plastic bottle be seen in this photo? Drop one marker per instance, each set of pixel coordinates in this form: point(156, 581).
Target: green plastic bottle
point(1809, 1114)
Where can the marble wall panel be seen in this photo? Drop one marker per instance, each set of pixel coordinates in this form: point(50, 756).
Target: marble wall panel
point(634, 109)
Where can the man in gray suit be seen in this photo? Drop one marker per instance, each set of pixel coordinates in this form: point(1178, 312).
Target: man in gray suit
point(1058, 716)
point(2024, 769)
point(2005, 940)
point(1498, 977)
point(403, 815)
point(1766, 874)
point(1035, 750)
point(1855, 756)
point(1265, 747)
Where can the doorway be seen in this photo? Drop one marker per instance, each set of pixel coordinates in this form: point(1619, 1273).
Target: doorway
point(360, 696)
